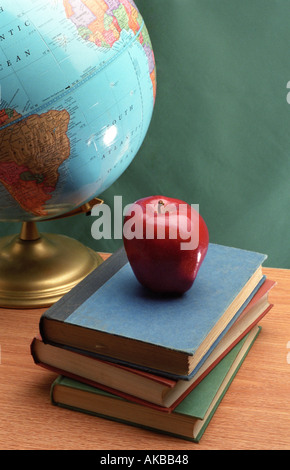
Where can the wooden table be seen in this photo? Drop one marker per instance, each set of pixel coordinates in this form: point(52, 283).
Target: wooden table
point(254, 414)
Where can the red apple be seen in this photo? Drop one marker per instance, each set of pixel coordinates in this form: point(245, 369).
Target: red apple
point(166, 241)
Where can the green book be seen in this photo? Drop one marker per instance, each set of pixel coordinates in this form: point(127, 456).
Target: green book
point(190, 418)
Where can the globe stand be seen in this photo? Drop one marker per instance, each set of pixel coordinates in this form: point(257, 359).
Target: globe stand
point(36, 269)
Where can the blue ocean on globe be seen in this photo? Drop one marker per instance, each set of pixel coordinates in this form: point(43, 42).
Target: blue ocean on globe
point(78, 87)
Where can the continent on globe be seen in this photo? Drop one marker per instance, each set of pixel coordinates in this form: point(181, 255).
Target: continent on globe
point(31, 152)
point(102, 23)
point(8, 115)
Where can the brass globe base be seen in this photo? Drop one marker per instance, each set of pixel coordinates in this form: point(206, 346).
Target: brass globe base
point(36, 270)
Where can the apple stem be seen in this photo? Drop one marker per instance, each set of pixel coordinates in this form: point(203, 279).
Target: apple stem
point(160, 206)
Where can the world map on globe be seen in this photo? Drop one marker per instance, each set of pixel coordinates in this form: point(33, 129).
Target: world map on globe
point(78, 88)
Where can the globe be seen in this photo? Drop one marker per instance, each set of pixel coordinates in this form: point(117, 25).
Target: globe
point(78, 87)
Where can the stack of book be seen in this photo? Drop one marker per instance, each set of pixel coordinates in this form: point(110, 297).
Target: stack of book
point(154, 361)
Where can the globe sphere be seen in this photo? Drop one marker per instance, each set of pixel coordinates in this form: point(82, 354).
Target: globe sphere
point(78, 87)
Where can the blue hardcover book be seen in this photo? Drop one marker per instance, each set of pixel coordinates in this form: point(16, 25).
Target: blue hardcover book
point(111, 315)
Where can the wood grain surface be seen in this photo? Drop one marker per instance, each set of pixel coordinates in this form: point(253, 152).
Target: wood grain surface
point(254, 414)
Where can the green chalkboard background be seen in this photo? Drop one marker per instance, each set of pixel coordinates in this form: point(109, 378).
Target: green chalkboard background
point(220, 133)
